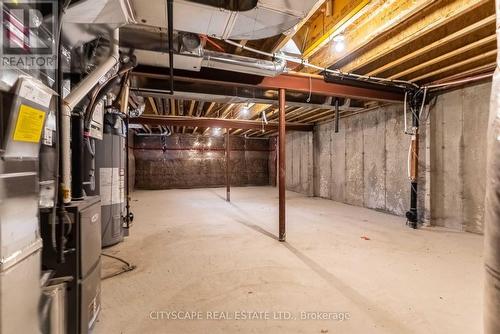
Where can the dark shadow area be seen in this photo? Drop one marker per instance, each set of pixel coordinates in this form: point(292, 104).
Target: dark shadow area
point(371, 308)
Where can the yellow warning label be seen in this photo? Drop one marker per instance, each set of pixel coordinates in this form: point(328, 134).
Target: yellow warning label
point(29, 124)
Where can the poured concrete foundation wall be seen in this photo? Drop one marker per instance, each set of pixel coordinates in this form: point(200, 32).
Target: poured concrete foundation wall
point(365, 163)
point(299, 162)
point(459, 122)
point(191, 161)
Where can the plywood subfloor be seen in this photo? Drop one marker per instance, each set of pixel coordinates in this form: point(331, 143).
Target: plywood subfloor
point(195, 252)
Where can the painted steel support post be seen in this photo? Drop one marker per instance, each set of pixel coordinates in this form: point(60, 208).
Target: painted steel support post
point(282, 167)
point(228, 167)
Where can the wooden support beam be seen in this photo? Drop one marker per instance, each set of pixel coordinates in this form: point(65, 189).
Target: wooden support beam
point(323, 27)
point(287, 37)
point(282, 167)
point(153, 105)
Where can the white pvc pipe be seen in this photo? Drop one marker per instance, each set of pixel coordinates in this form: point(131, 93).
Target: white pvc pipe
point(71, 101)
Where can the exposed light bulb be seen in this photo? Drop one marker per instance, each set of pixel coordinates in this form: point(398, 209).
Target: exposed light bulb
point(339, 43)
point(244, 111)
point(216, 131)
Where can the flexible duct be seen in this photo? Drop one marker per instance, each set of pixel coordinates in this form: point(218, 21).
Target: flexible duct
point(492, 207)
point(235, 63)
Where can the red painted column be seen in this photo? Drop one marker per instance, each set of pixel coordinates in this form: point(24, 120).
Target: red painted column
point(282, 167)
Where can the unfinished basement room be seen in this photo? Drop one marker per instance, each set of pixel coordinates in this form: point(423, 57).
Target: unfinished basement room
point(249, 166)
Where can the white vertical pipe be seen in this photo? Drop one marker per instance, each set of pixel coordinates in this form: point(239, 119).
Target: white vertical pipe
point(70, 102)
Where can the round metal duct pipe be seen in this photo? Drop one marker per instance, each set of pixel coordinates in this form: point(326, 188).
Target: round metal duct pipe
point(234, 63)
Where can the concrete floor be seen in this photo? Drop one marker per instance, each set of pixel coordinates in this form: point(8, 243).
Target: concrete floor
point(195, 252)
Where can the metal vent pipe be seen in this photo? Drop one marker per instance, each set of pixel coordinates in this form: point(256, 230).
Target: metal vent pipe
point(235, 63)
point(71, 101)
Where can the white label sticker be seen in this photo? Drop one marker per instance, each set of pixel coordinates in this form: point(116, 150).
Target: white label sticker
point(30, 91)
point(112, 183)
point(47, 137)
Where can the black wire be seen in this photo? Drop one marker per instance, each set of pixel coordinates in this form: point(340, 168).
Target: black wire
point(126, 268)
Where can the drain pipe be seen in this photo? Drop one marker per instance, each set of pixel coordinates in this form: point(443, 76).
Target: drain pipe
point(71, 101)
point(235, 63)
point(417, 102)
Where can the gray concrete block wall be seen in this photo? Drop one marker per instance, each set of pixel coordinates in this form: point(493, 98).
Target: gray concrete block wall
point(299, 162)
point(365, 163)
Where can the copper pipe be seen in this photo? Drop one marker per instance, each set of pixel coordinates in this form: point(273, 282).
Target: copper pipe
point(414, 157)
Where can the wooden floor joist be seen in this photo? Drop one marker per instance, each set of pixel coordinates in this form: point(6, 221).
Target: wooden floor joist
point(472, 60)
point(476, 45)
point(207, 122)
point(490, 20)
point(428, 22)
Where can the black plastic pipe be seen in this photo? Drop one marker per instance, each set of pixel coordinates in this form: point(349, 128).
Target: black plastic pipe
point(77, 155)
point(412, 214)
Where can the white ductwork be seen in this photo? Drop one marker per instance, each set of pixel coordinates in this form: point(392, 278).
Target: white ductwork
point(87, 20)
point(268, 18)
